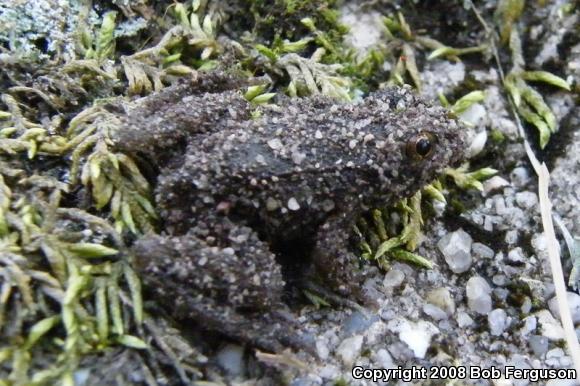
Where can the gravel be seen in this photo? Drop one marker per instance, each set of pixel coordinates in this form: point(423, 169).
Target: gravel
point(498, 321)
point(417, 335)
point(349, 349)
point(456, 248)
point(478, 294)
point(539, 345)
point(550, 327)
point(231, 359)
point(573, 303)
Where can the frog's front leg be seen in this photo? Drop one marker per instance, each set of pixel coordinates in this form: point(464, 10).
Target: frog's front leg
point(334, 258)
point(227, 282)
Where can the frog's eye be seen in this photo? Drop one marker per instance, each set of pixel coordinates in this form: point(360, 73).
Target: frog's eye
point(421, 146)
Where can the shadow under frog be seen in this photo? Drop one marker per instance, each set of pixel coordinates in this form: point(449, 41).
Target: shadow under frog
point(238, 194)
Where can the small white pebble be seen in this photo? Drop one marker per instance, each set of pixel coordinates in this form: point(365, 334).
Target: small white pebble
point(368, 138)
point(477, 145)
point(349, 350)
point(478, 295)
point(498, 321)
point(456, 248)
point(495, 183)
point(271, 204)
point(293, 204)
point(275, 144)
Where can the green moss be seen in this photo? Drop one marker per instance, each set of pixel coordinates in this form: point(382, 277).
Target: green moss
point(529, 103)
point(283, 19)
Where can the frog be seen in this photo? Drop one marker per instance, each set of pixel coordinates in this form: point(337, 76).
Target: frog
point(251, 197)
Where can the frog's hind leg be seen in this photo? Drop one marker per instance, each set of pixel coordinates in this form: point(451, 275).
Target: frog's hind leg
point(228, 282)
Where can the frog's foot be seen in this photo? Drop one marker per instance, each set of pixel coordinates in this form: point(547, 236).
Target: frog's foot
point(228, 282)
point(267, 330)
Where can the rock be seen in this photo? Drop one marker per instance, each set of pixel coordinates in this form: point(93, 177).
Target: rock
point(527, 200)
point(498, 321)
point(573, 303)
point(538, 344)
point(456, 249)
point(562, 382)
point(475, 113)
point(375, 333)
point(519, 362)
point(549, 326)
point(500, 293)
point(512, 236)
point(309, 380)
point(463, 319)
point(516, 255)
point(442, 299)
point(526, 305)
point(520, 176)
point(416, 335)
point(231, 359)
point(81, 376)
point(554, 356)
point(383, 359)
point(322, 348)
point(494, 184)
point(478, 295)
point(393, 278)
point(499, 280)
point(349, 350)
point(441, 77)
point(530, 325)
point(482, 251)
point(434, 312)
point(357, 323)
point(540, 245)
point(364, 28)
point(328, 371)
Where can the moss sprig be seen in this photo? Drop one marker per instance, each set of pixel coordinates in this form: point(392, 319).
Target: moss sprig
point(112, 177)
point(469, 180)
point(403, 45)
point(190, 44)
point(507, 14)
point(307, 76)
point(18, 134)
point(529, 103)
point(394, 233)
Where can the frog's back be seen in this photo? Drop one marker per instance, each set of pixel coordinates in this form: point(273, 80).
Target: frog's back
point(310, 158)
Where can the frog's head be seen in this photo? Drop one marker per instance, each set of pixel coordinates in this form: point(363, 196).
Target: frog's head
point(414, 141)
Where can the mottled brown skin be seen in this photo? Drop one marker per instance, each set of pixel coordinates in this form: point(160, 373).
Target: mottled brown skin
point(236, 193)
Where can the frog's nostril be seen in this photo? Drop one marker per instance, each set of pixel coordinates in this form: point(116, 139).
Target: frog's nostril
point(421, 146)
